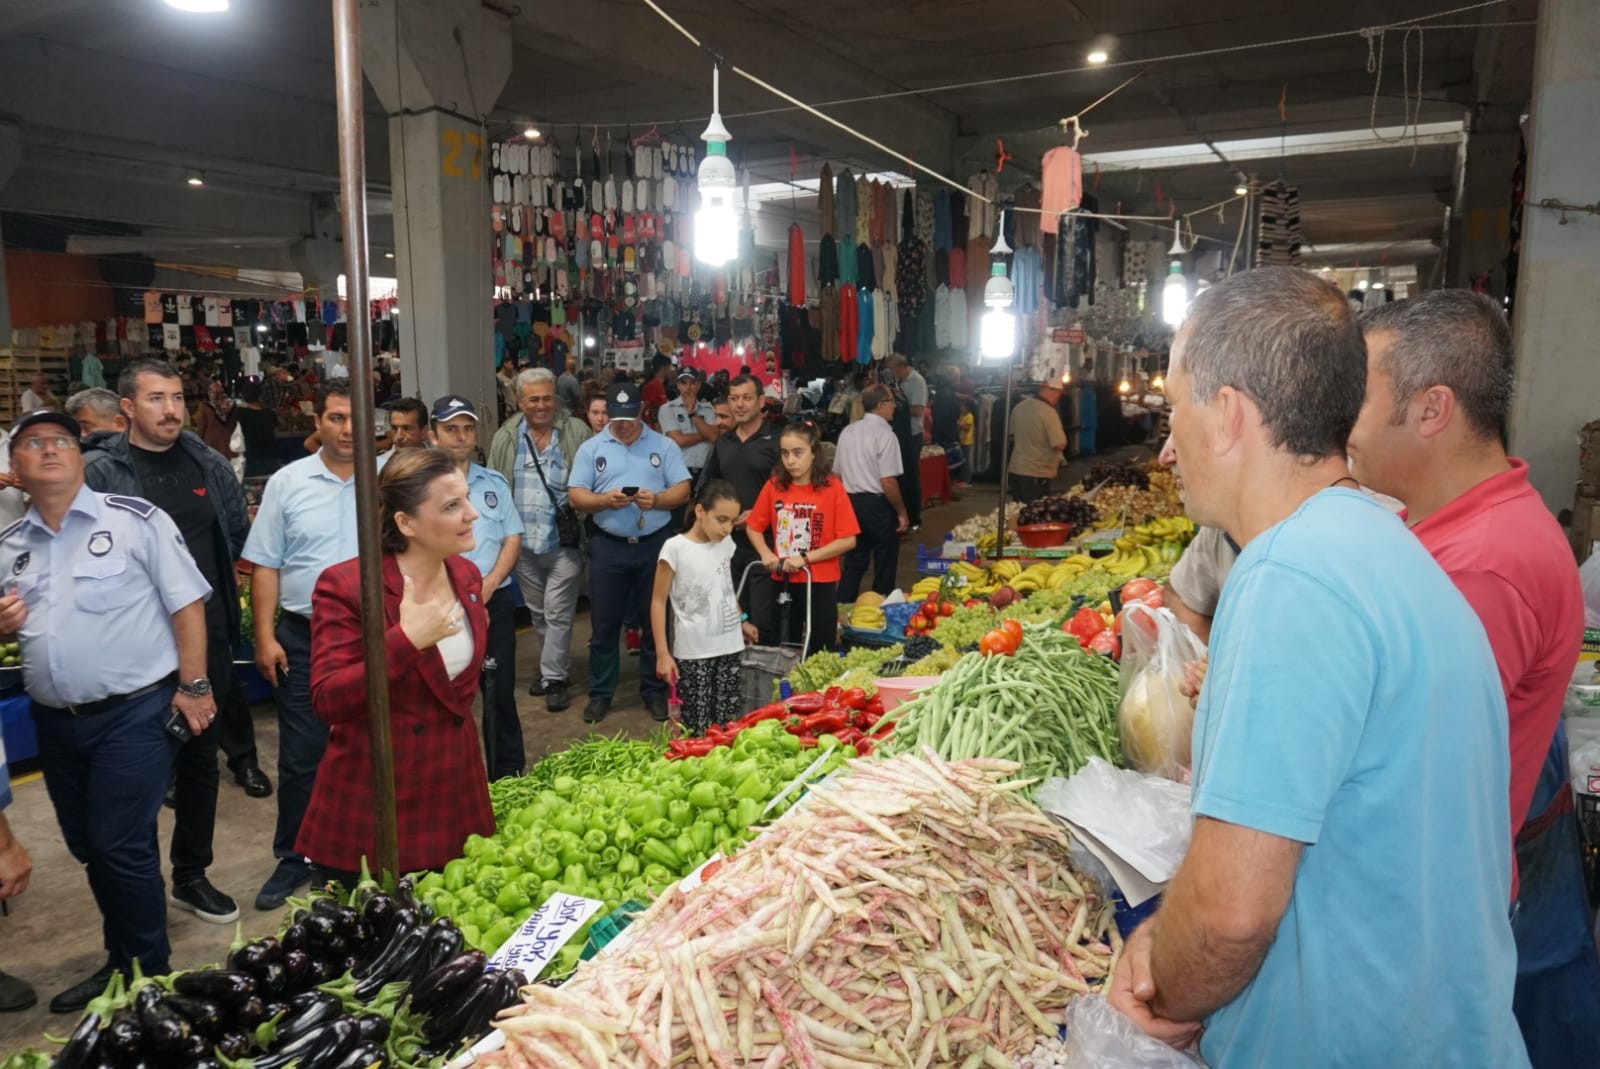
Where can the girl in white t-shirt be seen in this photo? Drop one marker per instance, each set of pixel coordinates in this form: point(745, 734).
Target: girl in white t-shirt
point(708, 631)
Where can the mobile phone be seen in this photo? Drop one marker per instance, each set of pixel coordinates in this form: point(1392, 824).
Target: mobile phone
point(630, 491)
point(178, 727)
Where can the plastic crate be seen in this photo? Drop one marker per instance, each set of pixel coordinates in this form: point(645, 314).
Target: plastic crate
point(935, 564)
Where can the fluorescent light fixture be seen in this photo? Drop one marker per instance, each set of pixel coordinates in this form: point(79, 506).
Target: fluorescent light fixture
point(200, 7)
point(531, 133)
point(1174, 297)
point(196, 179)
point(1261, 148)
point(388, 256)
point(1097, 56)
point(588, 341)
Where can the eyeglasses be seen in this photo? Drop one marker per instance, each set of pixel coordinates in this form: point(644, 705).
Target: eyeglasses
point(38, 444)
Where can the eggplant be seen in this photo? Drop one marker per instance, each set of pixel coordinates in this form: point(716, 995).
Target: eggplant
point(299, 916)
point(196, 1048)
point(276, 1008)
point(405, 921)
point(396, 965)
point(123, 1039)
point(379, 910)
point(331, 1039)
point(204, 1016)
point(321, 928)
point(296, 968)
point(352, 962)
point(228, 988)
point(164, 1029)
point(374, 1028)
point(447, 981)
point(82, 1048)
point(272, 979)
point(295, 937)
point(405, 893)
point(234, 1045)
point(251, 1012)
point(307, 1013)
point(448, 1023)
point(254, 956)
point(444, 942)
point(337, 948)
point(324, 969)
point(207, 1062)
point(364, 1056)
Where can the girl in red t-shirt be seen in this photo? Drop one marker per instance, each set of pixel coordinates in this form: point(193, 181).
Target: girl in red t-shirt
point(811, 525)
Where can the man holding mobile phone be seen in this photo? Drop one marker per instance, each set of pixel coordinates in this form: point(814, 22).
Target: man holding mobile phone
point(83, 563)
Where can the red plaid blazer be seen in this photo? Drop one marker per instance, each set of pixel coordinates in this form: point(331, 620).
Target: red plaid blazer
point(441, 792)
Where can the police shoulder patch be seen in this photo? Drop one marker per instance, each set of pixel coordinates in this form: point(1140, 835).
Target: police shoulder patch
point(13, 529)
point(491, 498)
point(599, 465)
point(136, 505)
point(655, 460)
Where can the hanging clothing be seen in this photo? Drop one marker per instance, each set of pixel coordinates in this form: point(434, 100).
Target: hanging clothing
point(797, 265)
point(827, 260)
point(941, 317)
point(882, 331)
point(1085, 230)
point(866, 270)
point(880, 211)
point(941, 221)
point(825, 200)
point(923, 217)
point(977, 275)
point(865, 328)
point(1027, 277)
point(849, 323)
point(1063, 284)
point(956, 270)
point(889, 275)
point(844, 208)
point(910, 275)
point(1279, 226)
point(959, 338)
point(863, 211)
point(1063, 185)
point(983, 184)
point(891, 215)
point(847, 258)
point(960, 230)
point(828, 323)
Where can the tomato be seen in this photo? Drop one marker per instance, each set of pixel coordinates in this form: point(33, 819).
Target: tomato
point(947, 609)
point(1107, 643)
point(1084, 625)
point(1134, 589)
point(1155, 599)
point(1014, 629)
point(989, 645)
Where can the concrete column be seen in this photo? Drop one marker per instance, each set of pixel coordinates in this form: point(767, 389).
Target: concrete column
point(438, 67)
point(1557, 317)
point(1480, 219)
point(10, 155)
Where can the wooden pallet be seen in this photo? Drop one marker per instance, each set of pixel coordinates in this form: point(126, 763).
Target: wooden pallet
point(17, 368)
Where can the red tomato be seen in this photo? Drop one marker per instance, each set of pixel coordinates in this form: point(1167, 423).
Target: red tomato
point(1134, 589)
point(1012, 628)
point(1155, 598)
point(988, 645)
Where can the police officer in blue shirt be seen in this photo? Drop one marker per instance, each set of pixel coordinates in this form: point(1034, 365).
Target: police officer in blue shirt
point(114, 568)
point(307, 521)
point(498, 543)
point(628, 478)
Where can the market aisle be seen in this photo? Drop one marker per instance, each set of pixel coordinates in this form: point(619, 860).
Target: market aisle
point(52, 938)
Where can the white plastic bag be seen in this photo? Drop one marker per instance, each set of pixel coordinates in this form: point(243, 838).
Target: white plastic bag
point(1100, 1037)
point(1144, 819)
point(236, 447)
point(1154, 717)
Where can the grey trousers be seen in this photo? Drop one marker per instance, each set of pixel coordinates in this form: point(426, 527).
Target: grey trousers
point(550, 586)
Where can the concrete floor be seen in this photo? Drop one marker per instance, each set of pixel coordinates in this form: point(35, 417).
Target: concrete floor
point(52, 937)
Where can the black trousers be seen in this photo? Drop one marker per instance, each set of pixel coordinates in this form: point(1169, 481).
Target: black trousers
point(1028, 488)
point(878, 544)
point(824, 615)
point(911, 480)
point(234, 728)
point(502, 730)
point(195, 776)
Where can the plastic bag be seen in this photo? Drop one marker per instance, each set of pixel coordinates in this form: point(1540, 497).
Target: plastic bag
point(1145, 819)
point(236, 446)
point(1154, 717)
point(1100, 1037)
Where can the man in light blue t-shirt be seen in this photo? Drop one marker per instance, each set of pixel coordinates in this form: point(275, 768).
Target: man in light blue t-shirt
point(1343, 901)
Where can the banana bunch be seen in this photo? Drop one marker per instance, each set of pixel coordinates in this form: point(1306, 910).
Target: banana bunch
point(926, 587)
point(1130, 561)
point(1068, 570)
point(867, 617)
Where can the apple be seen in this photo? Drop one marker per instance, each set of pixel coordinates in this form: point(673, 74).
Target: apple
point(1002, 597)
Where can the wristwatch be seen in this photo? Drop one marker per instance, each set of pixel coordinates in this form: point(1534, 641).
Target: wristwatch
point(195, 688)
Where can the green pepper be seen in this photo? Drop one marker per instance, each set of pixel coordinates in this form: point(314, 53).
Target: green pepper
point(573, 853)
point(430, 883)
point(574, 877)
point(622, 834)
point(496, 936)
point(548, 888)
point(469, 896)
point(609, 857)
point(753, 786)
point(703, 796)
point(680, 813)
point(528, 816)
point(474, 846)
point(444, 903)
point(572, 821)
point(787, 742)
point(684, 845)
point(564, 786)
point(594, 840)
point(545, 866)
point(745, 813)
point(455, 874)
point(484, 915)
point(550, 840)
point(645, 809)
point(516, 856)
point(661, 828)
point(657, 876)
point(729, 847)
point(654, 851)
point(627, 865)
point(472, 935)
point(701, 834)
point(511, 899)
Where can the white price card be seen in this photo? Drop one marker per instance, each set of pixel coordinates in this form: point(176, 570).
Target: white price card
point(542, 935)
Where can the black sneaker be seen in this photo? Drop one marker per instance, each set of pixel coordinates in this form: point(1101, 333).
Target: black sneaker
point(657, 706)
point(80, 994)
point(556, 698)
point(536, 688)
point(16, 995)
point(596, 710)
point(290, 875)
point(205, 901)
point(253, 780)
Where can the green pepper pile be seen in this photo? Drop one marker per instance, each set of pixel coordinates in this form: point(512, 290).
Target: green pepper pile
point(617, 835)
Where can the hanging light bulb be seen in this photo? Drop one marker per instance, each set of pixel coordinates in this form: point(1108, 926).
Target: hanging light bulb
point(1175, 290)
point(716, 224)
point(1241, 185)
point(1158, 383)
point(588, 341)
point(531, 133)
point(1066, 377)
point(1124, 386)
point(196, 179)
point(997, 331)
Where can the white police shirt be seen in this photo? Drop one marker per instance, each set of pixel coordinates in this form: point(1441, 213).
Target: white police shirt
point(100, 594)
point(675, 416)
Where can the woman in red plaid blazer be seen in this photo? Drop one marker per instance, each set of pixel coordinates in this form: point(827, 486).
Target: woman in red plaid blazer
point(436, 631)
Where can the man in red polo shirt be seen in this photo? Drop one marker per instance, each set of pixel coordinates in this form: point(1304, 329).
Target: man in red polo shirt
point(1439, 378)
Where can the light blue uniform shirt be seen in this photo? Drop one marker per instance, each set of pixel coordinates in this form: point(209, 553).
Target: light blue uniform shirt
point(307, 521)
point(653, 462)
point(100, 594)
point(497, 517)
point(675, 416)
point(1352, 704)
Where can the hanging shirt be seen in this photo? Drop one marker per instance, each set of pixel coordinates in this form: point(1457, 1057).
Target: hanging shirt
point(825, 205)
point(797, 265)
point(848, 323)
point(981, 213)
point(958, 319)
point(941, 317)
point(941, 221)
point(865, 328)
point(956, 267)
point(844, 208)
point(1063, 185)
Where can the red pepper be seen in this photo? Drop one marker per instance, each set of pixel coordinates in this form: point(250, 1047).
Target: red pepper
point(805, 703)
point(721, 738)
point(867, 718)
point(697, 747)
point(863, 747)
point(850, 736)
point(824, 723)
point(854, 698)
point(808, 742)
point(832, 694)
point(875, 705)
point(775, 711)
point(884, 729)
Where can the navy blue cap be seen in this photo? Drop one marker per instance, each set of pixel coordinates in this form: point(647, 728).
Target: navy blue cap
point(452, 406)
point(623, 401)
point(45, 415)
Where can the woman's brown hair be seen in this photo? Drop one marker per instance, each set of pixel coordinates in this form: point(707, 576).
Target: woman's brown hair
point(820, 468)
point(403, 487)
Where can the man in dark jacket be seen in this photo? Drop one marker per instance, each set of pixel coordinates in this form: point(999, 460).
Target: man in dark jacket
point(158, 460)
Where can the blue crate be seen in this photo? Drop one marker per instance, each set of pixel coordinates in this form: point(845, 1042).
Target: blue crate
point(16, 724)
point(934, 564)
point(1130, 917)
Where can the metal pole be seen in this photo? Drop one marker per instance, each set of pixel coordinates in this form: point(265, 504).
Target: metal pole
point(353, 217)
point(1005, 474)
